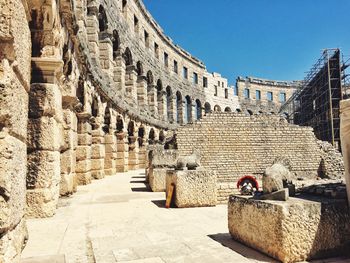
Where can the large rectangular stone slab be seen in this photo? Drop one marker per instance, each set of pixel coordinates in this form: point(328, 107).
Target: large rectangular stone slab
point(291, 231)
point(195, 188)
point(157, 179)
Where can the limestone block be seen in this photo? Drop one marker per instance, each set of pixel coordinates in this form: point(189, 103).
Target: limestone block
point(110, 148)
point(42, 202)
point(13, 101)
point(70, 139)
point(98, 139)
point(68, 162)
point(43, 169)
point(44, 134)
point(273, 177)
point(157, 179)
point(164, 158)
point(83, 153)
point(97, 174)
point(12, 243)
point(291, 231)
point(97, 164)
point(193, 188)
point(83, 178)
point(97, 151)
point(110, 139)
point(70, 120)
point(83, 166)
point(45, 100)
point(13, 169)
point(67, 184)
point(84, 127)
point(84, 139)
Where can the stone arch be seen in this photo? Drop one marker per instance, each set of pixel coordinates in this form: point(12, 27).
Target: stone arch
point(116, 44)
point(169, 103)
point(139, 68)
point(198, 109)
point(238, 110)
point(128, 57)
point(250, 112)
point(102, 19)
point(149, 78)
point(131, 132)
point(151, 136)
point(120, 124)
point(141, 136)
point(207, 107)
point(107, 120)
point(81, 92)
point(228, 109)
point(188, 111)
point(95, 112)
point(161, 136)
point(217, 108)
point(179, 108)
point(124, 3)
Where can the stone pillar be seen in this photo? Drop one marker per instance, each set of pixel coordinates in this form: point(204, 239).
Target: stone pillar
point(83, 152)
point(172, 109)
point(141, 91)
point(15, 57)
point(152, 100)
point(92, 30)
point(119, 74)
point(133, 159)
point(97, 154)
point(142, 153)
point(130, 84)
point(110, 153)
point(122, 153)
point(345, 140)
point(161, 98)
point(45, 138)
point(68, 183)
point(106, 53)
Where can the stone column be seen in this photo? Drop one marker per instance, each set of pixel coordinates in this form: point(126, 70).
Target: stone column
point(45, 138)
point(14, 87)
point(83, 152)
point(110, 153)
point(130, 84)
point(162, 105)
point(92, 30)
point(133, 159)
point(142, 153)
point(152, 100)
point(141, 91)
point(345, 140)
point(172, 109)
point(119, 74)
point(68, 183)
point(122, 153)
point(106, 53)
point(97, 154)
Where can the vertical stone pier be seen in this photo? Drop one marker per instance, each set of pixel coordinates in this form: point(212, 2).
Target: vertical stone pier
point(152, 99)
point(97, 154)
point(83, 152)
point(345, 140)
point(110, 153)
point(122, 153)
point(130, 83)
point(141, 91)
point(45, 138)
point(133, 159)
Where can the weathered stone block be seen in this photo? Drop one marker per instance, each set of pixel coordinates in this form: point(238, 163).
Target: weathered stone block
point(70, 139)
point(83, 166)
point(193, 188)
point(13, 169)
point(13, 101)
point(45, 100)
point(67, 184)
point(97, 164)
point(70, 120)
point(164, 158)
point(84, 139)
point(157, 179)
point(84, 127)
point(44, 134)
point(83, 178)
point(291, 231)
point(68, 162)
point(42, 202)
point(110, 139)
point(83, 153)
point(97, 151)
point(43, 169)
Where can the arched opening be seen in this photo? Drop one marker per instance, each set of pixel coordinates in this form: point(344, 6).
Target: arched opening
point(217, 108)
point(94, 112)
point(169, 104)
point(107, 120)
point(198, 109)
point(81, 92)
point(124, 3)
point(131, 132)
point(179, 115)
point(207, 107)
point(149, 78)
point(128, 57)
point(160, 98)
point(161, 137)
point(102, 19)
point(188, 109)
point(116, 44)
point(238, 110)
point(139, 68)
point(141, 135)
point(250, 112)
point(228, 109)
point(120, 124)
point(151, 136)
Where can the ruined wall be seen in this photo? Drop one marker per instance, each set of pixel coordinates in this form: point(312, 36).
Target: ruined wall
point(235, 145)
point(15, 53)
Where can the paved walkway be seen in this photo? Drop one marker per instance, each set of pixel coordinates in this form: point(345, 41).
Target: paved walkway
point(118, 220)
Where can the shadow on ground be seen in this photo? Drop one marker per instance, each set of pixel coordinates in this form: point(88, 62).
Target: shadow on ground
point(138, 182)
point(226, 240)
point(141, 189)
point(159, 203)
point(138, 177)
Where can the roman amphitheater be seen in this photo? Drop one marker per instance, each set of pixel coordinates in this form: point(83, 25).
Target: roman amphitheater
point(96, 100)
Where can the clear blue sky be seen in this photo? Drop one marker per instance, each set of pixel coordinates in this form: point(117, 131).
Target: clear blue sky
point(276, 39)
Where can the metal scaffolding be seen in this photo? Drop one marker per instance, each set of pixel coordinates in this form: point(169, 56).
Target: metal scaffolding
point(316, 102)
